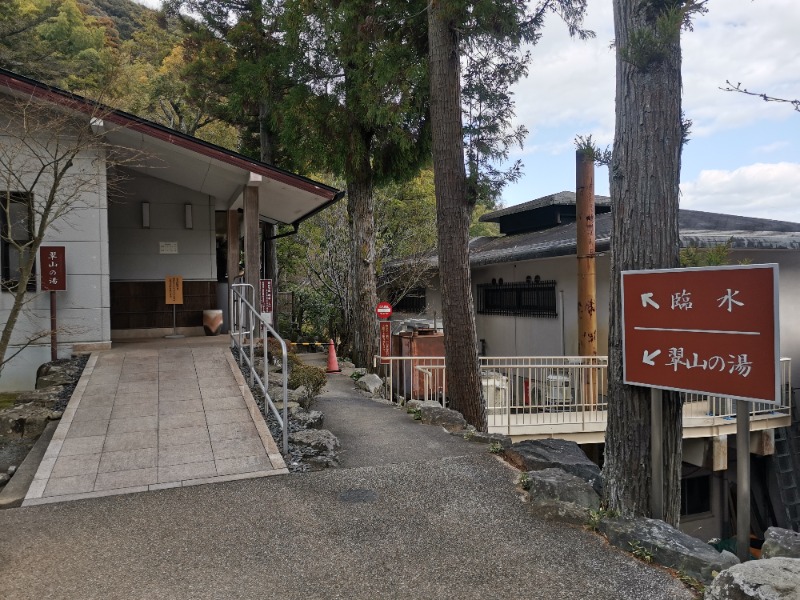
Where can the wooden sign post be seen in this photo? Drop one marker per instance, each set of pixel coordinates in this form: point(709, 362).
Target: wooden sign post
point(53, 262)
point(173, 285)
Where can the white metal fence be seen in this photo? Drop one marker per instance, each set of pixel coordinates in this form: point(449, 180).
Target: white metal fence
point(564, 394)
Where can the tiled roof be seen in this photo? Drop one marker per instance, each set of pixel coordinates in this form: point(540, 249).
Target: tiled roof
point(563, 198)
point(696, 228)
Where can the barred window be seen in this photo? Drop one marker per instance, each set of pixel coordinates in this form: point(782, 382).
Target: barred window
point(16, 237)
point(412, 302)
point(522, 299)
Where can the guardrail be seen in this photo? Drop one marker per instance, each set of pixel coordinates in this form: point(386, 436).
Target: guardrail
point(246, 324)
point(552, 394)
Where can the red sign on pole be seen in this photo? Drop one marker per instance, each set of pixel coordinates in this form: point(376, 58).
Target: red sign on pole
point(710, 330)
point(53, 262)
point(266, 295)
point(386, 341)
point(383, 310)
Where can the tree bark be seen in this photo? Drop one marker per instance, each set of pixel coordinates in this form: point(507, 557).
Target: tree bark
point(361, 217)
point(645, 175)
point(453, 213)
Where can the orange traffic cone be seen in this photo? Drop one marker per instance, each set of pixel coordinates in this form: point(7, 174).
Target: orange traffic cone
point(333, 364)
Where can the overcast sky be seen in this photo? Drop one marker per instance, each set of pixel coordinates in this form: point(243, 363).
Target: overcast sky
point(744, 154)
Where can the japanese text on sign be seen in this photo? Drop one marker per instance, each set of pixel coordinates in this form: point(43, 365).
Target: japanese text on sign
point(386, 341)
point(712, 330)
point(52, 261)
point(174, 289)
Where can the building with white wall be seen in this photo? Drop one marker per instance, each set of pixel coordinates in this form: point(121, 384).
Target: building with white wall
point(151, 202)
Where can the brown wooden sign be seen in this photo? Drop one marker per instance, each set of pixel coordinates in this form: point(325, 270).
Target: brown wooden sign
point(174, 289)
point(709, 330)
point(386, 341)
point(266, 295)
point(53, 262)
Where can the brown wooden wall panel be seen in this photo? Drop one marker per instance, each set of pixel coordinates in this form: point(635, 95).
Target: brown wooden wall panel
point(141, 305)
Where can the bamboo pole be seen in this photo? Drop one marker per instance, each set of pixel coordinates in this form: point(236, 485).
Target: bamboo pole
point(587, 285)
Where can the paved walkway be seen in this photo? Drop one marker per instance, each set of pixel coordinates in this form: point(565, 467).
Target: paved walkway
point(419, 515)
point(155, 415)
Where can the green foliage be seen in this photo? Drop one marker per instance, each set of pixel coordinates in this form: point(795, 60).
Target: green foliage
point(416, 413)
point(639, 551)
point(496, 448)
point(652, 43)
point(586, 146)
point(524, 481)
point(311, 377)
point(596, 516)
point(692, 583)
point(692, 256)
point(495, 37)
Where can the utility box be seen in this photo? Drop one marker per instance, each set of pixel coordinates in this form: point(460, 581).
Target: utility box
point(495, 390)
point(418, 378)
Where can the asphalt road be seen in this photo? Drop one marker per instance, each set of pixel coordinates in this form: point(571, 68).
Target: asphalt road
point(432, 517)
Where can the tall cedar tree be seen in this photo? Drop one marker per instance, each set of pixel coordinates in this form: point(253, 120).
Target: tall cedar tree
point(359, 110)
point(237, 48)
point(644, 177)
point(456, 27)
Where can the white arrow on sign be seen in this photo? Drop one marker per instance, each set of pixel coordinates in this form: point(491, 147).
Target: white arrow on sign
point(648, 299)
point(647, 357)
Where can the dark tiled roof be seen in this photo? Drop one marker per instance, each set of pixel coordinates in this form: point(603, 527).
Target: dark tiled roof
point(696, 228)
point(563, 198)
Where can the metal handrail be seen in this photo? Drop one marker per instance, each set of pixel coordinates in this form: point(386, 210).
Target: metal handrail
point(243, 319)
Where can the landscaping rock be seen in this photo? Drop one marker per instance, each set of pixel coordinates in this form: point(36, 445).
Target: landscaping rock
point(23, 421)
point(560, 486)
point(370, 383)
point(55, 415)
point(315, 441)
point(4, 479)
point(58, 372)
point(769, 579)
point(556, 495)
point(309, 419)
point(416, 404)
point(670, 547)
point(535, 455)
point(298, 395)
point(472, 435)
point(781, 542)
point(292, 407)
point(46, 398)
point(451, 420)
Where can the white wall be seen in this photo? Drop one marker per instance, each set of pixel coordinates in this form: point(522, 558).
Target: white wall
point(542, 336)
point(83, 310)
point(788, 298)
point(135, 251)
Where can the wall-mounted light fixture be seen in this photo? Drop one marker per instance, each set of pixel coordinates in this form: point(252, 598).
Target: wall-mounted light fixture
point(187, 211)
point(145, 215)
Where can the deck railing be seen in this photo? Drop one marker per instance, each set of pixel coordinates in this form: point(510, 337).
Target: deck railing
point(555, 394)
point(247, 325)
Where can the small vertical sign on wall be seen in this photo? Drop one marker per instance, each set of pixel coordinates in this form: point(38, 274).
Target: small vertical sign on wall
point(53, 263)
point(266, 299)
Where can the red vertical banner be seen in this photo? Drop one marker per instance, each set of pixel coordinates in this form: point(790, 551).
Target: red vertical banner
point(53, 263)
point(386, 341)
point(266, 295)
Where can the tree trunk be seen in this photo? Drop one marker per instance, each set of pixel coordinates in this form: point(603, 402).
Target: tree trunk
point(644, 174)
point(361, 217)
point(453, 213)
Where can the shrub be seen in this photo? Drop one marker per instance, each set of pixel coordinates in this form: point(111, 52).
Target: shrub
point(310, 377)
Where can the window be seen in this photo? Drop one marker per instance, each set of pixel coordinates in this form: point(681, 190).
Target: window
point(16, 235)
point(412, 302)
point(522, 299)
point(696, 495)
